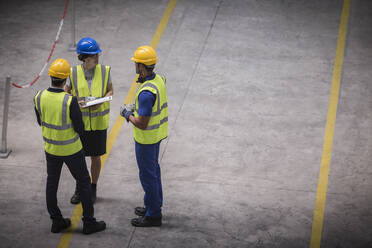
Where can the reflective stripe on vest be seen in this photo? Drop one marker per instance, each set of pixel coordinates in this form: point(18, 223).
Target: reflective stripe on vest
point(63, 142)
point(157, 128)
point(93, 119)
point(159, 109)
point(64, 114)
point(59, 137)
point(94, 114)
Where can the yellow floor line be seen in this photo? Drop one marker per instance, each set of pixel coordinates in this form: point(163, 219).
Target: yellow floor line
point(321, 195)
point(78, 211)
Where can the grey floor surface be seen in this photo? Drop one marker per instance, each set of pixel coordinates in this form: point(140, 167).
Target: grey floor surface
point(248, 91)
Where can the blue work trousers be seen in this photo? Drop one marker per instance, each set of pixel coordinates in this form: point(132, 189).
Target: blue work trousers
point(78, 168)
point(149, 173)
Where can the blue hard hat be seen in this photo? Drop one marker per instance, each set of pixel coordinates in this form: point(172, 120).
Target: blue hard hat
point(87, 45)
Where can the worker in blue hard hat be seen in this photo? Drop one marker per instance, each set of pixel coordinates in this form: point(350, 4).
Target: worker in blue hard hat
point(86, 80)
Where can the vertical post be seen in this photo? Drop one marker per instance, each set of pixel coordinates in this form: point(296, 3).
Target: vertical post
point(73, 27)
point(4, 151)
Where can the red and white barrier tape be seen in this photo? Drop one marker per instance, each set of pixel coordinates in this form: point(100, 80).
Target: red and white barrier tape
point(50, 54)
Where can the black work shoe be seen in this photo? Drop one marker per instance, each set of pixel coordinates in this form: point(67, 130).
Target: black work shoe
point(140, 211)
point(146, 221)
point(94, 194)
point(60, 224)
point(75, 199)
point(94, 226)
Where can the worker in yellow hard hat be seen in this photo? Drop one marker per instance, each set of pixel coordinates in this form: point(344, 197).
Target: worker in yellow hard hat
point(150, 127)
point(91, 79)
point(60, 118)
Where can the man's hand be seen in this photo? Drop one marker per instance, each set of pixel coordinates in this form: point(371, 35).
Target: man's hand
point(130, 107)
point(125, 112)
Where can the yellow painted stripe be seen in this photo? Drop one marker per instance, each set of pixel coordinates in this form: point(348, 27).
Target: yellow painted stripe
point(163, 23)
point(75, 219)
point(321, 195)
point(78, 211)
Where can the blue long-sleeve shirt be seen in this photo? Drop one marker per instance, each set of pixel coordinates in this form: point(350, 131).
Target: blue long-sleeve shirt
point(146, 100)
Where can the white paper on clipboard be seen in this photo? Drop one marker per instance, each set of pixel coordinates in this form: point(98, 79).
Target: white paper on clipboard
point(96, 101)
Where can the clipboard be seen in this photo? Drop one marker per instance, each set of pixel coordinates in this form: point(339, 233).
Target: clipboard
point(96, 101)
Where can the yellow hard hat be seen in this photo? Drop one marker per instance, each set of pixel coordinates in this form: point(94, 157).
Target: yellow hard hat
point(145, 55)
point(60, 68)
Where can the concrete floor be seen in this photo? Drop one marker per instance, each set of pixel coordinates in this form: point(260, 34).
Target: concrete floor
point(248, 91)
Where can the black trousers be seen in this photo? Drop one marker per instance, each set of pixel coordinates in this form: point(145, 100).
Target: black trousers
point(78, 168)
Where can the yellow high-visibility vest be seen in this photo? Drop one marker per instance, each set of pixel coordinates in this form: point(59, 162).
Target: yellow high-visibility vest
point(93, 119)
point(157, 128)
point(59, 136)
